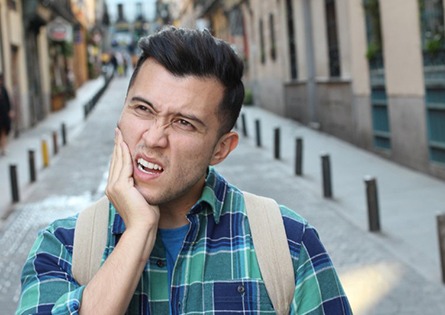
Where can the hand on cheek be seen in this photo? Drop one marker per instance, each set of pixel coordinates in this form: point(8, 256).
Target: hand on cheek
point(128, 201)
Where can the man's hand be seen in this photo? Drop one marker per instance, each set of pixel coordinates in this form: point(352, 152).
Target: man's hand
point(121, 191)
point(111, 289)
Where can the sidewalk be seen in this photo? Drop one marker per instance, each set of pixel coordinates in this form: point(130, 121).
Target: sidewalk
point(409, 200)
point(377, 278)
point(17, 151)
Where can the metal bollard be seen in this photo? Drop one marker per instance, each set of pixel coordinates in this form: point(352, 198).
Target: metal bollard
point(299, 157)
point(373, 203)
point(441, 234)
point(63, 134)
point(258, 132)
point(277, 143)
point(45, 154)
point(327, 178)
point(85, 111)
point(55, 143)
point(32, 166)
point(244, 126)
point(14, 183)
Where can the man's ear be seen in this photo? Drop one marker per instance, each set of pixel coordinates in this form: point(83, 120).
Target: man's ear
point(226, 144)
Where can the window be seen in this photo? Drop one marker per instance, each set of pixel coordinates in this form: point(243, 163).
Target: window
point(236, 22)
point(433, 46)
point(374, 52)
point(273, 44)
point(379, 100)
point(333, 47)
point(262, 49)
point(291, 39)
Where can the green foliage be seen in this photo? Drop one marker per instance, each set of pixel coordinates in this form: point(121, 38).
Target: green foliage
point(433, 45)
point(67, 49)
point(372, 11)
point(248, 97)
point(373, 51)
point(372, 7)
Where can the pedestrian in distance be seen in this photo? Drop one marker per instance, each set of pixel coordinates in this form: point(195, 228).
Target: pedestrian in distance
point(6, 115)
point(178, 237)
point(113, 61)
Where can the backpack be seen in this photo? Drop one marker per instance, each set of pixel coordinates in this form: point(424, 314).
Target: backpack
point(268, 234)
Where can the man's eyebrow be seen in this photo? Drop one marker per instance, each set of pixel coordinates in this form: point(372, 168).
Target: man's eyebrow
point(143, 100)
point(179, 114)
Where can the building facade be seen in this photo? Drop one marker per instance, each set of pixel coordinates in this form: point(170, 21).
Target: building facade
point(13, 61)
point(370, 72)
point(223, 18)
point(45, 42)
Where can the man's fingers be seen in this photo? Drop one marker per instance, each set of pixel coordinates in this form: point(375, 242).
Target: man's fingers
point(114, 165)
point(121, 166)
point(116, 162)
point(113, 155)
point(127, 164)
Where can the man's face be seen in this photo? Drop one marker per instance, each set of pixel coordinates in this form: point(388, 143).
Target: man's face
point(170, 125)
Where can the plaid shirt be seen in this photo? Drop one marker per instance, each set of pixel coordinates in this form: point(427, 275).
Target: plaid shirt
point(216, 270)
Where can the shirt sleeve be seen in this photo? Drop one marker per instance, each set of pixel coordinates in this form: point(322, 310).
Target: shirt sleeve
point(318, 288)
point(47, 283)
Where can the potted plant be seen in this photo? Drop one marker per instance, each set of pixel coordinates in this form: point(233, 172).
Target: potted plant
point(57, 97)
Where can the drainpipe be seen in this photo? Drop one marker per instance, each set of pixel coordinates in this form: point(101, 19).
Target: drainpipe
point(310, 63)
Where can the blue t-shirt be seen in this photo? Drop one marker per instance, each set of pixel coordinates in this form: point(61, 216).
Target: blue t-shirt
point(172, 240)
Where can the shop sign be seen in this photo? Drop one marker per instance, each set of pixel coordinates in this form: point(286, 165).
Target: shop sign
point(60, 30)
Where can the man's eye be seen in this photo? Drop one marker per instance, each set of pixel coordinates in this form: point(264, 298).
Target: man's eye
point(142, 107)
point(145, 109)
point(183, 125)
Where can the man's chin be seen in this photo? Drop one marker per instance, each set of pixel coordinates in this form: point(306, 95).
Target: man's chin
point(149, 196)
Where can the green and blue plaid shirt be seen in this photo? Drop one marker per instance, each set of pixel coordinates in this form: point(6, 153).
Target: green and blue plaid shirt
point(216, 271)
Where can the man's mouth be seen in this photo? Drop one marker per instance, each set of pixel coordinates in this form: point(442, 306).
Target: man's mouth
point(148, 167)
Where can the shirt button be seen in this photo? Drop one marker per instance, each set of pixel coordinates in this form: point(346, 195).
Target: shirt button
point(241, 289)
point(160, 263)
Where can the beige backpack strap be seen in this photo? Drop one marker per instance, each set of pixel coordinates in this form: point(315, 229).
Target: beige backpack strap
point(90, 239)
point(272, 250)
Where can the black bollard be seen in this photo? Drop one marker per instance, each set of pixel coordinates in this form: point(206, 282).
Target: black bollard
point(299, 157)
point(85, 111)
point(277, 143)
point(14, 183)
point(55, 143)
point(258, 132)
point(326, 172)
point(63, 134)
point(373, 204)
point(441, 235)
point(243, 123)
point(32, 166)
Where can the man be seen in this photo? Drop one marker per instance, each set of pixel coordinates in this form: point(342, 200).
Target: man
point(178, 239)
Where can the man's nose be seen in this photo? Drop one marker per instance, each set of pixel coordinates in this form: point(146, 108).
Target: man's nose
point(156, 134)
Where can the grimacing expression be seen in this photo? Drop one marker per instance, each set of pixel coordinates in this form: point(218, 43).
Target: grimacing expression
point(171, 125)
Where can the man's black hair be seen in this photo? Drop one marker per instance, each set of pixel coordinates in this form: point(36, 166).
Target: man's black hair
point(197, 53)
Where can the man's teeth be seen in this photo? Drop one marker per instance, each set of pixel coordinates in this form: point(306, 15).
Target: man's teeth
point(148, 165)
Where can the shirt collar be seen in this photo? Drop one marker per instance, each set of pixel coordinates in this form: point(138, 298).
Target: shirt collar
point(212, 198)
